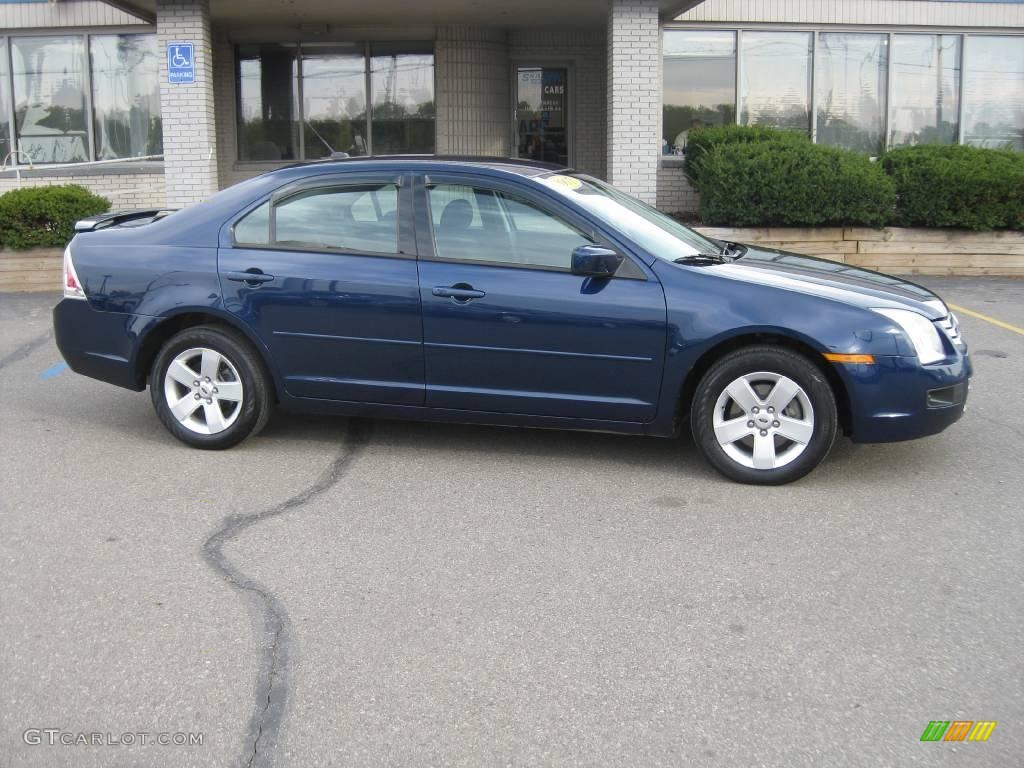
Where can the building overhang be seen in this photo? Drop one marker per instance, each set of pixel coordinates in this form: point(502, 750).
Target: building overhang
point(494, 13)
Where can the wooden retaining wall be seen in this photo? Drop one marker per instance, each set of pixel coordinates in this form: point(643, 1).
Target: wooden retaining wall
point(38, 269)
point(895, 250)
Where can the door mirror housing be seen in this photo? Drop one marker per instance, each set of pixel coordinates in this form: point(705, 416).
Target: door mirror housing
point(595, 261)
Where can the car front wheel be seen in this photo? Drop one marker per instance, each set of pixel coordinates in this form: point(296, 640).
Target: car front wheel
point(209, 388)
point(764, 415)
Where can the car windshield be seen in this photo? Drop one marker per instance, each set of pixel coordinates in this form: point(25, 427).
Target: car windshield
point(658, 234)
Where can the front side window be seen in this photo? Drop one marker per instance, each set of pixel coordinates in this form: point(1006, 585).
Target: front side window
point(699, 86)
point(125, 96)
point(472, 224)
point(851, 86)
point(363, 218)
point(994, 92)
point(49, 98)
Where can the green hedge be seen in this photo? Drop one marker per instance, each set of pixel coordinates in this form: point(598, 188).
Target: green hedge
point(792, 184)
point(701, 143)
point(45, 216)
point(957, 186)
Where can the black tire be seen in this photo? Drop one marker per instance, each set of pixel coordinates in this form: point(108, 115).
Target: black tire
point(773, 360)
point(254, 409)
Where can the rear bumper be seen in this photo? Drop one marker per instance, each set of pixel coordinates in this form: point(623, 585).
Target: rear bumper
point(97, 344)
point(898, 399)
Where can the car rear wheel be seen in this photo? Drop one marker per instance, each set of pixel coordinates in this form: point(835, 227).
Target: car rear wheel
point(209, 388)
point(764, 415)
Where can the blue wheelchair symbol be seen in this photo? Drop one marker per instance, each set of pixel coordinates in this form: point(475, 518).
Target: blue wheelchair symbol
point(180, 63)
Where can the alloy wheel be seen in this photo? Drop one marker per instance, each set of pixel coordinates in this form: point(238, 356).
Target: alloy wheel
point(203, 390)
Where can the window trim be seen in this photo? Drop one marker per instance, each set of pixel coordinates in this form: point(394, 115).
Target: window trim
point(546, 204)
point(406, 242)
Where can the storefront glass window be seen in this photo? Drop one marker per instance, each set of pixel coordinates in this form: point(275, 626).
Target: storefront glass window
point(125, 96)
point(268, 121)
point(851, 85)
point(49, 98)
point(699, 86)
point(994, 92)
point(402, 84)
point(334, 99)
point(776, 79)
point(6, 145)
point(925, 89)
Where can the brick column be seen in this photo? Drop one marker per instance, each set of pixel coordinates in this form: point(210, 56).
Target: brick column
point(187, 111)
point(634, 97)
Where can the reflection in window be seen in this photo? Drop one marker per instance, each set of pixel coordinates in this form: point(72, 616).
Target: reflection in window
point(402, 84)
point(850, 85)
point(699, 86)
point(254, 229)
point(126, 96)
point(49, 98)
point(267, 102)
point(327, 218)
point(334, 99)
point(776, 81)
point(925, 89)
point(994, 92)
point(6, 145)
point(480, 225)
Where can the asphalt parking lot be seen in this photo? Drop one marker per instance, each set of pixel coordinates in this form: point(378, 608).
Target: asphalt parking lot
point(387, 593)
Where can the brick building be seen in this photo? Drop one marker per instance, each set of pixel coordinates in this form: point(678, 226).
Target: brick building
point(163, 102)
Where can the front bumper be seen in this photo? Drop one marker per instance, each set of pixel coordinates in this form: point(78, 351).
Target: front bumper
point(896, 398)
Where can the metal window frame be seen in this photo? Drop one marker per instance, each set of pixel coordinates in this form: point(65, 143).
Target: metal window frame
point(890, 31)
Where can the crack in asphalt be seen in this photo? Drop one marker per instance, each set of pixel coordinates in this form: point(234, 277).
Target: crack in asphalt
point(26, 349)
point(268, 611)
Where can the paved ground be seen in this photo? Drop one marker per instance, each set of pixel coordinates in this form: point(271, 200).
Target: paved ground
point(354, 593)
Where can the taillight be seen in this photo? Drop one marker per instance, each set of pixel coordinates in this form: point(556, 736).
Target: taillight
point(72, 285)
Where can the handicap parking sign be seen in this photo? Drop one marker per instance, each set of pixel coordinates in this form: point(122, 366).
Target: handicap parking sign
point(181, 65)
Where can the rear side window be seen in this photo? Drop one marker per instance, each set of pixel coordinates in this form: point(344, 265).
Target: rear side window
point(363, 218)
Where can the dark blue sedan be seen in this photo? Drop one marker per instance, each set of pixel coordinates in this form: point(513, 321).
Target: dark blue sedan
point(499, 292)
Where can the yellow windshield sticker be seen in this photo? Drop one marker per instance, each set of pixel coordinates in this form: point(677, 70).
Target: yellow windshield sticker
point(567, 182)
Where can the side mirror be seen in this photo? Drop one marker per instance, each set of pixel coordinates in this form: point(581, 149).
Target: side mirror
point(595, 261)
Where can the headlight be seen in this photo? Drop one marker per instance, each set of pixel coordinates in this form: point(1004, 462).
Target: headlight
point(921, 331)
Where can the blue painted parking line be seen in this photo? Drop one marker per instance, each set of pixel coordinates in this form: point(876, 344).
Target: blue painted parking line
point(53, 370)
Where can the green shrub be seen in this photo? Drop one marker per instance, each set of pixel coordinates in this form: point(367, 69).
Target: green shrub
point(957, 186)
point(45, 216)
point(792, 183)
point(702, 141)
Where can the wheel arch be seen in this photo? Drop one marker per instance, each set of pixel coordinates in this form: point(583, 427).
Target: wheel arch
point(168, 325)
point(774, 337)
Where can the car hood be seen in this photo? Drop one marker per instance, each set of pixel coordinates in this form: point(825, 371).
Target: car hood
point(831, 279)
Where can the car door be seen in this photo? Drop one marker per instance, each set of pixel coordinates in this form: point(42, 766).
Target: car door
point(325, 274)
point(508, 328)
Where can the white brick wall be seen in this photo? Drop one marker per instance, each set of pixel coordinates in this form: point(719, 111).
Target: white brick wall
point(473, 102)
point(634, 97)
point(188, 111)
point(123, 189)
point(675, 195)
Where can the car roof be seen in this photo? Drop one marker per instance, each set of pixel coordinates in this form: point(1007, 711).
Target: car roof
point(513, 165)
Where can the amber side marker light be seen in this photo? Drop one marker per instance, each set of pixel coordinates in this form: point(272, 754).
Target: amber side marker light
point(836, 358)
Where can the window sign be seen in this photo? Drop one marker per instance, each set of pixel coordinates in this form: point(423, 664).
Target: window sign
point(181, 64)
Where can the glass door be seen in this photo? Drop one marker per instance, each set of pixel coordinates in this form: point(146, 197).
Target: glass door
point(542, 114)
